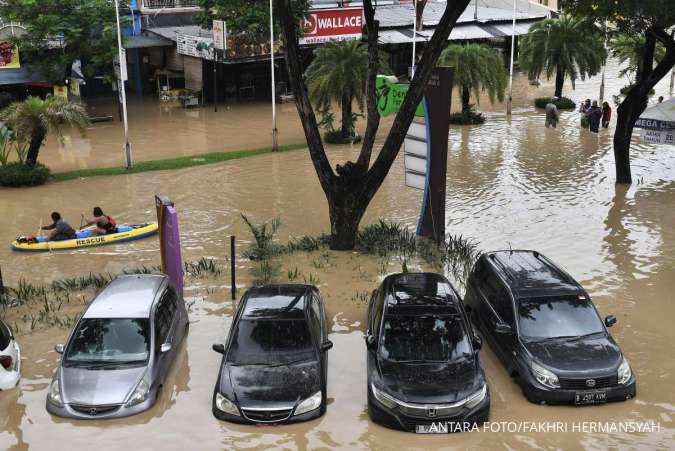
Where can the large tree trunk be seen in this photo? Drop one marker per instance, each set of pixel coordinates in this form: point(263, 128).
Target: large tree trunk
point(346, 114)
point(350, 191)
point(466, 98)
point(636, 99)
point(559, 81)
point(36, 140)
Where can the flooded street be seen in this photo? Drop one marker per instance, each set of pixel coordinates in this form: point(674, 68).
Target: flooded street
point(511, 183)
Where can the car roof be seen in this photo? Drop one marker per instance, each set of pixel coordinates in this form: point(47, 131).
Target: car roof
point(407, 291)
point(531, 273)
point(129, 296)
point(278, 301)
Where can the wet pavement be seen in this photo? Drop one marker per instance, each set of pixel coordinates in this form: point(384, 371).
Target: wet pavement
point(511, 183)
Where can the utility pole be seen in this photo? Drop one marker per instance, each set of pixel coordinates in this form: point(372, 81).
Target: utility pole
point(414, 37)
point(601, 97)
point(275, 144)
point(475, 10)
point(215, 80)
point(123, 70)
point(513, 47)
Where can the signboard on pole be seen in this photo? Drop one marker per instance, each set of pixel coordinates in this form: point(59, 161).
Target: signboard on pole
point(416, 153)
point(169, 241)
point(197, 46)
point(324, 25)
point(219, 35)
point(390, 95)
point(120, 68)
point(658, 136)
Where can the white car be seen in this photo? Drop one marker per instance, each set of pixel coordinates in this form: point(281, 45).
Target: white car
point(10, 359)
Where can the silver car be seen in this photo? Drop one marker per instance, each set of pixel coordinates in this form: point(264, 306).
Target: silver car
point(121, 350)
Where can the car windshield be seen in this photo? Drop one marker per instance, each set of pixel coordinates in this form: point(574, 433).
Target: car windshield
point(544, 318)
point(424, 338)
point(109, 340)
point(271, 342)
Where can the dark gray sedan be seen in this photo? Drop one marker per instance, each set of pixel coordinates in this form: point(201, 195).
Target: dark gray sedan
point(121, 350)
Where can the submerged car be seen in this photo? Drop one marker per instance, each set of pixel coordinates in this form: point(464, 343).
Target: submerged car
point(546, 330)
point(121, 350)
point(10, 359)
point(423, 363)
point(274, 363)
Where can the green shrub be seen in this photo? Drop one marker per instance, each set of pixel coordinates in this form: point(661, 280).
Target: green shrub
point(625, 90)
point(467, 118)
point(18, 174)
point(562, 103)
point(336, 137)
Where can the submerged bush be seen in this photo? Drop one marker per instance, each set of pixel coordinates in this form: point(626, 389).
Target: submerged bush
point(336, 137)
point(562, 103)
point(467, 118)
point(18, 174)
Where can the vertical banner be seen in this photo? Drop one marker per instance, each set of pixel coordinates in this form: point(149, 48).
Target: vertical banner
point(438, 97)
point(219, 35)
point(169, 241)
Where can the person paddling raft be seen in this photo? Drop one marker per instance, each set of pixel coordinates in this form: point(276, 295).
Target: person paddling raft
point(104, 223)
point(59, 230)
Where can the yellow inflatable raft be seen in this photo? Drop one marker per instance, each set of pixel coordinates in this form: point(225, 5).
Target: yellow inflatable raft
point(85, 239)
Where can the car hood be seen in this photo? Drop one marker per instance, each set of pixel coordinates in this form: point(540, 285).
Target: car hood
point(430, 383)
point(585, 355)
point(268, 386)
point(98, 387)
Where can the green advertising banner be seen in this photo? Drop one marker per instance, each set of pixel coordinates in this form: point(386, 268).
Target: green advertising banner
point(390, 95)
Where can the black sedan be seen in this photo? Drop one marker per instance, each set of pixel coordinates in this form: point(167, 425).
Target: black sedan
point(424, 374)
point(274, 362)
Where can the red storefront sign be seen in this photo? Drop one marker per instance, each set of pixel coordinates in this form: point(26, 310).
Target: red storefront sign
point(324, 25)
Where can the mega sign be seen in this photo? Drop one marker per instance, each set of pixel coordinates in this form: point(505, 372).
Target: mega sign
point(324, 25)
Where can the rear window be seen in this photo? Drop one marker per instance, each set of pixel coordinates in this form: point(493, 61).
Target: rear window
point(5, 336)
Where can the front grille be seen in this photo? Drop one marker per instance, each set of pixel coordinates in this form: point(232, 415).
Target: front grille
point(267, 415)
point(94, 411)
point(586, 384)
point(430, 412)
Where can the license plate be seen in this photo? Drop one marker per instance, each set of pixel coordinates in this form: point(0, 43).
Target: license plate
point(590, 397)
point(433, 428)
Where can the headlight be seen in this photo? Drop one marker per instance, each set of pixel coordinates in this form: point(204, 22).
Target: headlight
point(309, 404)
point(139, 395)
point(383, 398)
point(225, 405)
point(475, 399)
point(624, 373)
point(54, 395)
point(544, 376)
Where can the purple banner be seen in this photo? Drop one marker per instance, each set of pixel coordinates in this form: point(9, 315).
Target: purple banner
point(169, 241)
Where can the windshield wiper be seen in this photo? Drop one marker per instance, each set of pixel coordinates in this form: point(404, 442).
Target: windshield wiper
point(292, 362)
point(567, 337)
point(95, 365)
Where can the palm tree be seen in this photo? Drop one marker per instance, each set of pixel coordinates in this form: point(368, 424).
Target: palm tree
point(567, 46)
point(338, 73)
point(34, 118)
point(630, 49)
point(477, 68)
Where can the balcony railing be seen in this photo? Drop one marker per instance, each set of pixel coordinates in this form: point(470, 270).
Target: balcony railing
point(168, 4)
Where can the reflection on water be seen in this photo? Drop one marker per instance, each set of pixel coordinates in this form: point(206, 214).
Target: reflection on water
point(511, 182)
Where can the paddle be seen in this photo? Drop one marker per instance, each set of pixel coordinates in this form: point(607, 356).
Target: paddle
point(39, 228)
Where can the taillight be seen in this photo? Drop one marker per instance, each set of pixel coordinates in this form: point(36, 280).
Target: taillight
point(6, 361)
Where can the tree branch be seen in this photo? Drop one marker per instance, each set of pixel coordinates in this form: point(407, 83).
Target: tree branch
point(399, 128)
point(373, 121)
point(302, 103)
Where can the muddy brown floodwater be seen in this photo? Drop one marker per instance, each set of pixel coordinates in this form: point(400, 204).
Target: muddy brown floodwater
point(511, 183)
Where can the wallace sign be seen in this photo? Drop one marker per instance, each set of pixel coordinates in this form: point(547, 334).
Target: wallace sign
point(324, 25)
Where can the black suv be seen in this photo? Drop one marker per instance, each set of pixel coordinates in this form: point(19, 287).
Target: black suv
point(274, 364)
point(546, 331)
point(423, 364)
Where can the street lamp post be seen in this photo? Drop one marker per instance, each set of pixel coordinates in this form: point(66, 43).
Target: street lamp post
point(275, 144)
point(121, 54)
point(513, 46)
point(414, 37)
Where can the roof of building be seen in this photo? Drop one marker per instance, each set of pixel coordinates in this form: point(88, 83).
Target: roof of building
point(143, 41)
point(129, 296)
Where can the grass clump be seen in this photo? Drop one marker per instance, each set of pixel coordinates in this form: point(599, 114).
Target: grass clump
point(467, 118)
point(563, 103)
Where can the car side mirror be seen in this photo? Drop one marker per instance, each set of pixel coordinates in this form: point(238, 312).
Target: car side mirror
point(610, 320)
point(59, 349)
point(220, 349)
point(502, 328)
point(371, 342)
point(477, 342)
point(327, 345)
point(166, 347)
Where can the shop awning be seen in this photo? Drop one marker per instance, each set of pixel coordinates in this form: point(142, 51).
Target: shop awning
point(19, 77)
point(139, 42)
point(507, 28)
point(465, 32)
